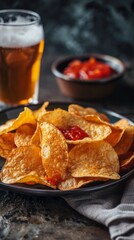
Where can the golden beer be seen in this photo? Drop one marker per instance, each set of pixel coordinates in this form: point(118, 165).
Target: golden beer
point(20, 60)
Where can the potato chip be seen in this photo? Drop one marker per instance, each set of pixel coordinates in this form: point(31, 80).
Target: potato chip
point(126, 141)
point(6, 144)
point(83, 111)
point(26, 116)
point(24, 134)
point(126, 162)
point(39, 112)
point(97, 159)
point(36, 138)
point(54, 151)
point(73, 183)
point(116, 131)
point(103, 117)
point(115, 136)
point(64, 120)
point(23, 165)
point(122, 123)
point(8, 124)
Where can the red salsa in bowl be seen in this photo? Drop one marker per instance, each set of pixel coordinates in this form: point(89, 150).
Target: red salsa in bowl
point(90, 69)
point(88, 77)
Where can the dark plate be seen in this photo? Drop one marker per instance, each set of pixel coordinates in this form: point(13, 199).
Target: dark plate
point(45, 191)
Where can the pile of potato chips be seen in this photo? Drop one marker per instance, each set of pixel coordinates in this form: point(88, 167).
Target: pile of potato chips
point(37, 151)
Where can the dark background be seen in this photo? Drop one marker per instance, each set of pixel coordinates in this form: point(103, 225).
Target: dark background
point(82, 26)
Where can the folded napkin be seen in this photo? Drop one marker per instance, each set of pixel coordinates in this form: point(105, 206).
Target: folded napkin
point(113, 208)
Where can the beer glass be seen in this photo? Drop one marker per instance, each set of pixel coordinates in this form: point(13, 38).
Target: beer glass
point(21, 49)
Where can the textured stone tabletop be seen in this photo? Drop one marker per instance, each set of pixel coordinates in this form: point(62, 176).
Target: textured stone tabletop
point(33, 217)
point(25, 217)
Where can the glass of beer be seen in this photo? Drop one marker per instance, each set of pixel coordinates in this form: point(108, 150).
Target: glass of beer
point(21, 49)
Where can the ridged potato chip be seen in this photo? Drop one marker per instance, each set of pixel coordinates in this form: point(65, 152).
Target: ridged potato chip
point(97, 159)
point(54, 152)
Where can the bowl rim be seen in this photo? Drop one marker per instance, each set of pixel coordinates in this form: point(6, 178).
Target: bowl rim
point(105, 57)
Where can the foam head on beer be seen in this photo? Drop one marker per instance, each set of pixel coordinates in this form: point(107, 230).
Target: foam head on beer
point(21, 49)
point(22, 36)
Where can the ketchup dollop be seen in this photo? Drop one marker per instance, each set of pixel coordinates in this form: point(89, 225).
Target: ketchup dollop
point(90, 69)
point(74, 133)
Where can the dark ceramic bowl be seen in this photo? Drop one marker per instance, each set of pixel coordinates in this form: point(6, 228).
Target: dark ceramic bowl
point(88, 89)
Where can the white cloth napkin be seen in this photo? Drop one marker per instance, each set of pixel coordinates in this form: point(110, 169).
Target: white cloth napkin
point(113, 208)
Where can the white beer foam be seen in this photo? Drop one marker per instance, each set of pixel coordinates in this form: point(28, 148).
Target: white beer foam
point(20, 36)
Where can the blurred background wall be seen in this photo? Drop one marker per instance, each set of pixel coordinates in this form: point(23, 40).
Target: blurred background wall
point(82, 26)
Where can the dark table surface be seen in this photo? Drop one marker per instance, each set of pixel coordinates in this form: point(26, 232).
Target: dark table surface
point(33, 217)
